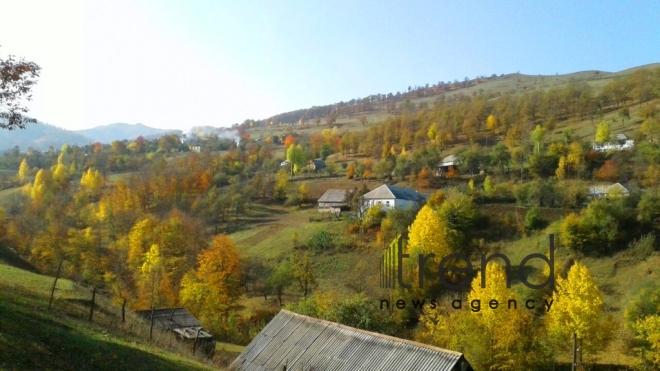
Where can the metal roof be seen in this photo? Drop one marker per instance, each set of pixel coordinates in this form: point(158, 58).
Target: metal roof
point(305, 343)
point(178, 320)
point(387, 191)
point(449, 161)
point(334, 195)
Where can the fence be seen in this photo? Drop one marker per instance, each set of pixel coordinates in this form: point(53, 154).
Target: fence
point(89, 304)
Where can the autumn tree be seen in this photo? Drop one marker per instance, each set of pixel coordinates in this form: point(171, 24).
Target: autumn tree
point(23, 170)
point(281, 185)
point(296, 156)
point(650, 128)
point(608, 171)
point(214, 286)
point(603, 132)
point(92, 181)
point(303, 273)
point(537, 137)
point(17, 78)
point(280, 280)
point(578, 310)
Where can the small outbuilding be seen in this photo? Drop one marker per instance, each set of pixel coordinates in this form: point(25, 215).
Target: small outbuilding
point(183, 324)
point(292, 341)
point(317, 165)
point(334, 199)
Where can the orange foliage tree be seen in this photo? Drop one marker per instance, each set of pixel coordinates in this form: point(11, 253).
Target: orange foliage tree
point(608, 171)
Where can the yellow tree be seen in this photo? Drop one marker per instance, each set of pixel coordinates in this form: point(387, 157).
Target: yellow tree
point(575, 157)
point(578, 310)
point(23, 171)
point(152, 271)
point(647, 330)
point(503, 325)
point(427, 234)
point(214, 286)
point(561, 169)
point(603, 132)
point(92, 181)
point(303, 192)
point(491, 122)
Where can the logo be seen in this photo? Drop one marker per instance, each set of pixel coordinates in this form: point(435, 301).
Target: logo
point(391, 268)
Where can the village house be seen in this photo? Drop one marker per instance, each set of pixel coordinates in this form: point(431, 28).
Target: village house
point(293, 341)
point(335, 199)
point(448, 163)
point(620, 143)
point(317, 165)
point(389, 197)
point(609, 190)
point(183, 324)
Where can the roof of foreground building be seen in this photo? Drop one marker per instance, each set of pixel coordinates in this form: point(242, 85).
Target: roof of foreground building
point(299, 342)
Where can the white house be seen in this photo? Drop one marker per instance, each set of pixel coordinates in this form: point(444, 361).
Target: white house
point(609, 190)
point(620, 143)
point(389, 197)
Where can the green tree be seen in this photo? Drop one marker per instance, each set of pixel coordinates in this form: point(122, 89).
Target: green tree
point(537, 137)
point(17, 78)
point(280, 280)
point(296, 155)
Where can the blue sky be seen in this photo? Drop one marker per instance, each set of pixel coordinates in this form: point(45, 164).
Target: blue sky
point(175, 64)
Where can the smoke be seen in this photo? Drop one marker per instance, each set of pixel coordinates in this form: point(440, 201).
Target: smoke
point(214, 132)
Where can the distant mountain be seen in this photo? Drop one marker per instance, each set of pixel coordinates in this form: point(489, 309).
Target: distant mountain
point(40, 137)
point(121, 131)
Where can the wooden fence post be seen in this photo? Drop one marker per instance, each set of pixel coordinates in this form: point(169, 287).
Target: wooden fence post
point(91, 310)
point(196, 337)
point(123, 312)
point(52, 293)
point(151, 329)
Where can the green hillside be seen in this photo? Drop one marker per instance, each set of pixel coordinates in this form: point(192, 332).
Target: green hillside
point(32, 338)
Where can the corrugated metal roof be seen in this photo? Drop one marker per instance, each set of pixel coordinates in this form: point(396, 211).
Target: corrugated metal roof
point(334, 195)
point(303, 343)
point(387, 191)
point(178, 320)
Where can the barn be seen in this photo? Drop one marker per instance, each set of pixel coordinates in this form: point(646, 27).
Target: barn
point(293, 341)
point(183, 324)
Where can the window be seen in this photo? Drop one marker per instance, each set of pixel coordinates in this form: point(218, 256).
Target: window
point(387, 203)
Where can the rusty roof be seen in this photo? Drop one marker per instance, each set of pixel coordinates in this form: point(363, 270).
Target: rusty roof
point(302, 343)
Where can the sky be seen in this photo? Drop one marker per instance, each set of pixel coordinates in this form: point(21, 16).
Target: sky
point(177, 64)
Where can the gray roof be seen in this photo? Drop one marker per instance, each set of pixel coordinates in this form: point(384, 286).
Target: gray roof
point(334, 195)
point(302, 343)
point(449, 161)
point(387, 191)
point(621, 136)
point(178, 320)
point(318, 164)
point(609, 188)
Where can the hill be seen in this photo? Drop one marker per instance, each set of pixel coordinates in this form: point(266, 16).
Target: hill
point(376, 107)
point(121, 131)
point(40, 137)
point(32, 338)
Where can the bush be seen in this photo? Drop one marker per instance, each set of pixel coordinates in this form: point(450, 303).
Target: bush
point(532, 218)
point(320, 241)
point(354, 227)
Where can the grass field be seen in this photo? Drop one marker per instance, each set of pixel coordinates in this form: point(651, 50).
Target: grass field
point(32, 338)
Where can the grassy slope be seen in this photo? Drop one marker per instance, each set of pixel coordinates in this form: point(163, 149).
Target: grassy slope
point(618, 276)
point(33, 339)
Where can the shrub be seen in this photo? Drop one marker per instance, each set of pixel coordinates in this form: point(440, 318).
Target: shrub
point(320, 241)
point(532, 218)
